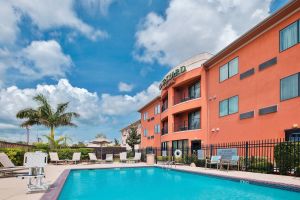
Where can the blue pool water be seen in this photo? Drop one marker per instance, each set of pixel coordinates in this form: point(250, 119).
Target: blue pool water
point(156, 183)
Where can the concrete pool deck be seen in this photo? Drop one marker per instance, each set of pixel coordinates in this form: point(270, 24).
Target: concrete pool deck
point(15, 189)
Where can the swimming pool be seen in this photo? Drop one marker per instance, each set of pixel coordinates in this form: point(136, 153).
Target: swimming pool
point(157, 183)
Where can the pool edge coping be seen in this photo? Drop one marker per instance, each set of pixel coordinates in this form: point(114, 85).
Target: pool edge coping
point(277, 185)
point(55, 189)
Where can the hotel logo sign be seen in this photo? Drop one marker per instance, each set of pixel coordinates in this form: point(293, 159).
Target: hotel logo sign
point(170, 77)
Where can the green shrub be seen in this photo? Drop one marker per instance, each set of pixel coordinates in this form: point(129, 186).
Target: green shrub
point(16, 155)
point(164, 158)
point(262, 167)
point(42, 146)
point(130, 154)
point(67, 153)
point(287, 156)
point(190, 159)
point(297, 171)
point(200, 163)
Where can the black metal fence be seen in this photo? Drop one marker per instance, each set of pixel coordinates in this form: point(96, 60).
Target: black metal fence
point(275, 156)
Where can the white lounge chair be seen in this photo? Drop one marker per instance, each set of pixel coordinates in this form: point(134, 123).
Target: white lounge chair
point(123, 157)
point(235, 161)
point(214, 160)
point(137, 157)
point(75, 158)
point(93, 158)
point(109, 158)
point(55, 159)
point(8, 165)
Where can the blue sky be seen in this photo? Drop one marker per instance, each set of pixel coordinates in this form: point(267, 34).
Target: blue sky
point(106, 56)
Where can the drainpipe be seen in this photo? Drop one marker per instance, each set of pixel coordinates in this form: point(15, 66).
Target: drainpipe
point(207, 100)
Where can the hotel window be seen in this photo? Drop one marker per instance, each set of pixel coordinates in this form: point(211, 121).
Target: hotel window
point(229, 69)
point(145, 132)
point(157, 128)
point(182, 145)
point(194, 120)
point(145, 116)
point(229, 106)
point(289, 36)
point(157, 109)
point(194, 90)
point(289, 87)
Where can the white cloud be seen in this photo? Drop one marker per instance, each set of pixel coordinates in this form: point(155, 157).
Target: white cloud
point(44, 58)
point(193, 26)
point(38, 60)
point(8, 126)
point(46, 15)
point(125, 104)
point(95, 110)
point(94, 7)
point(13, 99)
point(8, 23)
point(125, 87)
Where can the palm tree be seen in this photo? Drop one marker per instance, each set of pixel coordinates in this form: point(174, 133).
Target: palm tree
point(55, 143)
point(47, 116)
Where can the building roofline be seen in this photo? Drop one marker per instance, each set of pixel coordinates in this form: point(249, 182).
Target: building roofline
point(150, 102)
point(253, 32)
point(133, 123)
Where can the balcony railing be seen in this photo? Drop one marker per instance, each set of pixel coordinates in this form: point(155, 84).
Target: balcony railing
point(164, 130)
point(185, 126)
point(180, 99)
point(164, 107)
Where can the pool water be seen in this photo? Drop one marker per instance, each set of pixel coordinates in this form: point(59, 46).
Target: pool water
point(157, 183)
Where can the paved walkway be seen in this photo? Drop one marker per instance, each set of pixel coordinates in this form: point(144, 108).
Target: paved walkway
point(15, 189)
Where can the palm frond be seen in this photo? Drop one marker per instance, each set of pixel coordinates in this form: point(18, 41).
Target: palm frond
point(27, 113)
point(30, 122)
point(44, 108)
point(61, 108)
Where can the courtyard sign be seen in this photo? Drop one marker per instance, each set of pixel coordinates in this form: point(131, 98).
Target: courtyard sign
point(168, 79)
point(227, 153)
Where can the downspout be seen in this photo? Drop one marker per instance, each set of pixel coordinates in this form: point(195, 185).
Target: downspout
point(207, 100)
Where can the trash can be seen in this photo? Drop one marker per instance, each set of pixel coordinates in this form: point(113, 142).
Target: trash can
point(150, 159)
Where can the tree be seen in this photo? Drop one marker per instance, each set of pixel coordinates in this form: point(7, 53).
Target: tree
point(79, 145)
point(45, 115)
point(133, 138)
point(116, 142)
point(55, 143)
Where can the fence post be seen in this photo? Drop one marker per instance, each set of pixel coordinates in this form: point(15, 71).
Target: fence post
point(155, 156)
point(246, 156)
point(211, 150)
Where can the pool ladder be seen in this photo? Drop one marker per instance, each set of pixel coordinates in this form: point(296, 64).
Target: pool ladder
point(169, 164)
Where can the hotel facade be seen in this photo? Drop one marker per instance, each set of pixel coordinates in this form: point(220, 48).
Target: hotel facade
point(248, 91)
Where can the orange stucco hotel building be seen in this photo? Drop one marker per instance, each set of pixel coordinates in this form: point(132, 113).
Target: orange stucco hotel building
point(248, 91)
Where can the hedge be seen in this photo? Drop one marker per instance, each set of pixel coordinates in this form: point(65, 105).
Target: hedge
point(16, 155)
point(67, 153)
point(287, 157)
